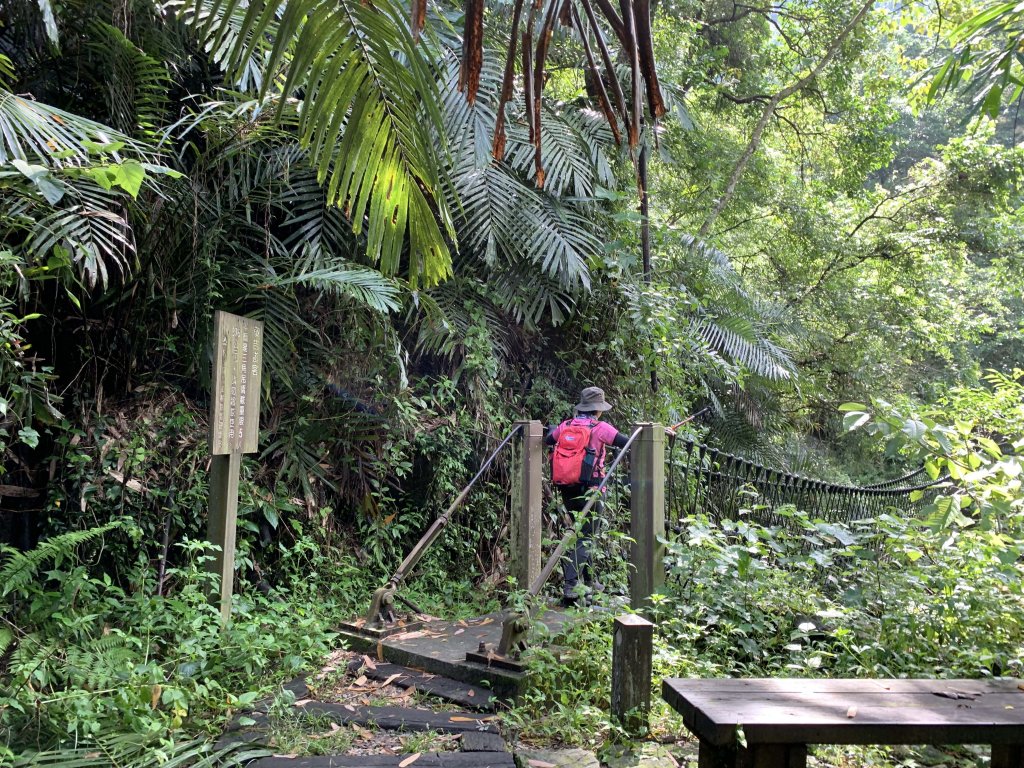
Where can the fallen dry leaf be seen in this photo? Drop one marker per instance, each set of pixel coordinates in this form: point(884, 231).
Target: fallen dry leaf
point(409, 760)
point(368, 662)
point(471, 693)
point(851, 712)
point(408, 635)
point(540, 764)
point(461, 719)
point(380, 650)
point(302, 702)
point(390, 680)
point(361, 680)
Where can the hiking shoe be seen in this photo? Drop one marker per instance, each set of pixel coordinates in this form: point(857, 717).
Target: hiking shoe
point(569, 601)
point(595, 586)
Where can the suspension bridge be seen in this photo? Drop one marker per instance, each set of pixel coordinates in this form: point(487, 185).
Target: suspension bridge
point(669, 478)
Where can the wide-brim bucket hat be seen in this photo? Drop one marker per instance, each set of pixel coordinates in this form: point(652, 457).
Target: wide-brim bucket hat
point(592, 399)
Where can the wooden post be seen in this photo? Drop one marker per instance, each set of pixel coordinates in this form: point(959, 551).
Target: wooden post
point(234, 430)
point(632, 653)
point(222, 521)
point(526, 533)
point(647, 501)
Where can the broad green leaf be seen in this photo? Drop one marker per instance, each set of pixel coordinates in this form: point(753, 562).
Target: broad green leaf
point(29, 437)
point(50, 187)
point(990, 447)
point(855, 419)
point(914, 429)
point(130, 175)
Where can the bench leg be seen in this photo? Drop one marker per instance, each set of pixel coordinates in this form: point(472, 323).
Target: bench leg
point(711, 756)
point(757, 756)
point(778, 756)
point(1007, 756)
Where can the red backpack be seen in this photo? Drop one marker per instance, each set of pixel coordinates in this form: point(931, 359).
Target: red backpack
point(572, 461)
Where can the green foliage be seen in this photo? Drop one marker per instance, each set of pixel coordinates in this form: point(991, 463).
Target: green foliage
point(985, 58)
point(569, 690)
point(979, 452)
point(131, 751)
point(361, 114)
point(89, 659)
point(882, 599)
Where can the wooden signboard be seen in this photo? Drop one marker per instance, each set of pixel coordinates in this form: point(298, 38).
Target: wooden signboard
point(237, 373)
point(234, 430)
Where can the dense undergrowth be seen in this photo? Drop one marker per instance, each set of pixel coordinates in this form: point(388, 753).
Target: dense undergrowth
point(880, 598)
point(108, 629)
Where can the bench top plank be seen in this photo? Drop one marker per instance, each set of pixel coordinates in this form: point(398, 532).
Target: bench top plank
point(781, 711)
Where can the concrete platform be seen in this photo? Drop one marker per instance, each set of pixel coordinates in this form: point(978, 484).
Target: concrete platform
point(440, 647)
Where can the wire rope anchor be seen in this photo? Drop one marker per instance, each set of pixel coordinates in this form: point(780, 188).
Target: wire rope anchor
point(508, 653)
point(382, 618)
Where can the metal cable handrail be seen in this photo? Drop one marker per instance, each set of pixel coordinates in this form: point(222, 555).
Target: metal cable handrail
point(711, 467)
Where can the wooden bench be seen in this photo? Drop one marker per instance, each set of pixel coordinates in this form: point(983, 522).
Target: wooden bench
point(780, 717)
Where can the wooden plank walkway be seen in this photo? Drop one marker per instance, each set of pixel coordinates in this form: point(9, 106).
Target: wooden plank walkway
point(400, 718)
point(463, 694)
point(427, 760)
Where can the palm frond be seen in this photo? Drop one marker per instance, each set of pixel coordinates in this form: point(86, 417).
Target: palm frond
point(737, 338)
point(368, 115)
point(367, 286)
point(567, 153)
point(6, 71)
point(222, 30)
point(135, 85)
point(34, 131)
point(88, 226)
point(505, 220)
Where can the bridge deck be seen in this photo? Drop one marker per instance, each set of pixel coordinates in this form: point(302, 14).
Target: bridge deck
point(440, 647)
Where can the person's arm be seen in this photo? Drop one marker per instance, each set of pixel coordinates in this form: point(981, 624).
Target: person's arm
point(551, 433)
point(620, 440)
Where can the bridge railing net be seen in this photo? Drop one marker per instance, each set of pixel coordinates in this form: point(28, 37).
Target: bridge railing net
point(705, 480)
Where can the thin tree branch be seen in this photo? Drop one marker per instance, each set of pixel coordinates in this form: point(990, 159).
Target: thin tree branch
point(768, 111)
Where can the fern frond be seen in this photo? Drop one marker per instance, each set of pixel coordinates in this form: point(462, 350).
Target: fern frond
point(736, 337)
point(22, 567)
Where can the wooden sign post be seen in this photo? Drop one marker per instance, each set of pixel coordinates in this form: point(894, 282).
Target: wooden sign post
point(234, 430)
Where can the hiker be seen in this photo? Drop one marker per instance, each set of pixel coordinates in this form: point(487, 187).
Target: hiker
point(577, 464)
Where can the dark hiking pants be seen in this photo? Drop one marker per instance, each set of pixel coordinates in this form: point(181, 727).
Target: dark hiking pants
point(576, 562)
